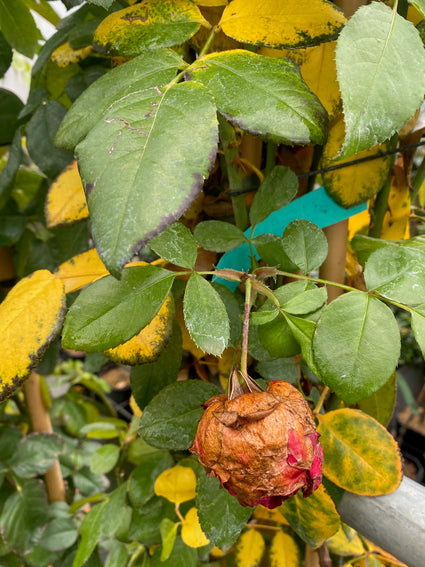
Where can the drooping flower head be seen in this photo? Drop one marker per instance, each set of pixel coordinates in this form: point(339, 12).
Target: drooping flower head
point(262, 445)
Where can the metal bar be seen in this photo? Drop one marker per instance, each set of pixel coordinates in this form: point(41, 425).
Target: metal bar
point(395, 522)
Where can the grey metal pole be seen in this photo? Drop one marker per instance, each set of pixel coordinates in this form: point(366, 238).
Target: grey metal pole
point(395, 522)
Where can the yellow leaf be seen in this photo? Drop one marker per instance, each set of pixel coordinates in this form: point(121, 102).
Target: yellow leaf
point(249, 549)
point(30, 317)
point(284, 552)
point(395, 225)
point(134, 406)
point(355, 184)
point(358, 223)
point(387, 557)
point(317, 65)
point(293, 23)
point(225, 365)
point(340, 544)
point(192, 533)
point(314, 519)
point(177, 484)
point(360, 455)
point(147, 345)
point(64, 55)
point(265, 514)
point(66, 201)
point(81, 270)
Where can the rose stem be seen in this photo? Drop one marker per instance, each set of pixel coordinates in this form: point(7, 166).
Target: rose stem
point(245, 330)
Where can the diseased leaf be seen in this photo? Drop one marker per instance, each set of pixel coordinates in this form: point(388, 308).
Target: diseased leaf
point(314, 519)
point(293, 23)
point(30, 318)
point(151, 69)
point(150, 25)
point(221, 516)
point(360, 455)
point(397, 272)
point(66, 201)
point(110, 311)
point(381, 84)
point(177, 484)
point(250, 549)
point(356, 333)
point(340, 544)
point(355, 184)
point(18, 27)
point(147, 345)
point(119, 161)
point(395, 225)
point(275, 192)
point(171, 419)
point(284, 551)
point(243, 82)
point(65, 55)
point(81, 270)
point(176, 245)
point(205, 316)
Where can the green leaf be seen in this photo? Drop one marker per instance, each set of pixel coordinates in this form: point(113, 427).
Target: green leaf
point(278, 369)
point(176, 245)
point(60, 534)
point(91, 530)
point(356, 346)
point(168, 531)
point(104, 3)
point(104, 459)
point(380, 405)
point(151, 69)
point(221, 516)
point(142, 479)
point(110, 311)
point(36, 454)
point(145, 523)
point(41, 130)
point(234, 308)
point(116, 515)
point(360, 455)
point(397, 273)
point(147, 380)
point(218, 236)
point(6, 55)
point(205, 316)
point(305, 244)
point(278, 339)
point(314, 519)
point(244, 83)
point(118, 554)
point(18, 27)
point(10, 107)
point(275, 192)
point(181, 556)
point(9, 439)
point(418, 326)
point(171, 419)
point(303, 331)
point(137, 28)
point(8, 174)
point(24, 512)
point(270, 249)
point(309, 301)
point(118, 161)
point(380, 60)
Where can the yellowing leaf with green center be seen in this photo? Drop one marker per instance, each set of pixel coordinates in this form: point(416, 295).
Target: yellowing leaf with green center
point(81, 270)
point(249, 549)
point(66, 201)
point(263, 95)
point(360, 455)
point(64, 55)
point(382, 84)
point(150, 342)
point(293, 23)
point(314, 519)
point(318, 69)
point(284, 552)
point(357, 183)
point(149, 25)
point(144, 164)
point(340, 544)
point(30, 318)
point(395, 225)
point(192, 533)
point(177, 484)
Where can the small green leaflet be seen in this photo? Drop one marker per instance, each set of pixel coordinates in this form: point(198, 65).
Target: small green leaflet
point(218, 236)
point(176, 245)
point(275, 192)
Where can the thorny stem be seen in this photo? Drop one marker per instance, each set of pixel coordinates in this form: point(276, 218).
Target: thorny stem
point(322, 398)
point(245, 331)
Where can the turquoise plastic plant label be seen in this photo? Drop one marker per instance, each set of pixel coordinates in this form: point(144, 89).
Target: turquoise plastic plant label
point(316, 207)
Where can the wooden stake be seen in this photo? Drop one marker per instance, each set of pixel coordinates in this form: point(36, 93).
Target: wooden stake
point(333, 268)
point(41, 423)
point(349, 6)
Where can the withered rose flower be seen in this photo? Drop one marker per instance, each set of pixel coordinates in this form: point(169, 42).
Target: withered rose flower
point(263, 446)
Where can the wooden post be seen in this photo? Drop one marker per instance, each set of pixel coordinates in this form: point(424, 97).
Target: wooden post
point(333, 268)
point(350, 6)
point(41, 423)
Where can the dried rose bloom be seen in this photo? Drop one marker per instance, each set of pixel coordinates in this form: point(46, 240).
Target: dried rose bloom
point(263, 446)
